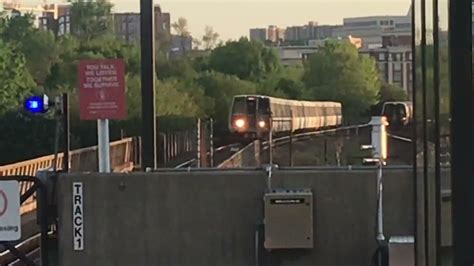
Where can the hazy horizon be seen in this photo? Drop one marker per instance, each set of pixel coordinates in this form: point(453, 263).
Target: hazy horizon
point(233, 19)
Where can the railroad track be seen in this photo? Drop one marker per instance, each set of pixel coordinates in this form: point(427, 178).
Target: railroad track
point(223, 153)
point(220, 155)
point(30, 248)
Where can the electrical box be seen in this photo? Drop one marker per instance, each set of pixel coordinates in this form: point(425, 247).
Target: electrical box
point(289, 219)
point(401, 250)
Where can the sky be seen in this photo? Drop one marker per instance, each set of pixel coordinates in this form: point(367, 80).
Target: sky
point(232, 19)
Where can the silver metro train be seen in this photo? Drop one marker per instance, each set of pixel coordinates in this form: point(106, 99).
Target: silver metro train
point(398, 113)
point(252, 115)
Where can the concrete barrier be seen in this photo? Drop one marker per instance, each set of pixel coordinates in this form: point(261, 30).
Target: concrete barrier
point(210, 218)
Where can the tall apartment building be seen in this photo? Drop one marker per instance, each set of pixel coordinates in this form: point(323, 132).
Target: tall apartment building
point(311, 31)
point(258, 34)
point(272, 33)
point(127, 25)
point(395, 65)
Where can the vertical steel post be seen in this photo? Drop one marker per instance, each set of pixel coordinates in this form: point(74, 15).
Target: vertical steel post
point(211, 121)
point(325, 151)
point(270, 142)
point(66, 131)
point(198, 155)
point(291, 140)
point(147, 35)
point(43, 203)
point(462, 131)
point(104, 145)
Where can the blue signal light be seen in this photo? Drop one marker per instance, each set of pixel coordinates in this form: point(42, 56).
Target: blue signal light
point(37, 104)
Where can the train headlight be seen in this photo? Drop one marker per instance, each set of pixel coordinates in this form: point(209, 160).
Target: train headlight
point(240, 123)
point(262, 124)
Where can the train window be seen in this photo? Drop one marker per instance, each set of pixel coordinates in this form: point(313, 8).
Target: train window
point(264, 106)
point(251, 106)
point(239, 106)
point(401, 110)
point(388, 109)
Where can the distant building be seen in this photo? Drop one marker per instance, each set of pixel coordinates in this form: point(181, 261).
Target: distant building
point(311, 31)
point(180, 45)
point(56, 18)
point(378, 31)
point(281, 34)
point(357, 42)
point(258, 34)
point(162, 21)
point(272, 33)
point(295, 55)
point(127, 25)
point(395, 65)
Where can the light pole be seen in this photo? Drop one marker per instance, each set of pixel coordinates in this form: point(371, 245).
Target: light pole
point(147, 37)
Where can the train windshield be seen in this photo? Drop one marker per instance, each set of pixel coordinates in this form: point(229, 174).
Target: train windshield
point(251, 106)
point(401, 110)
point(239, 106)
point(388, 110)
point(263, 106)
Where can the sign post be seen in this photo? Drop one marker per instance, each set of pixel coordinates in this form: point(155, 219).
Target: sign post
point(102, 97)
point(103, 143)
point(10, 221)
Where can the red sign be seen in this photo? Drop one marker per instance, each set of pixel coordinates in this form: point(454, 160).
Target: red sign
point(102, 89)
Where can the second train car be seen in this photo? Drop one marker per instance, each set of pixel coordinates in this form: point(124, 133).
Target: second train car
point(252, 116)
point(398, 114)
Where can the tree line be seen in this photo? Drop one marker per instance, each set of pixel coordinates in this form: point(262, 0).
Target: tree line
point(200, 83)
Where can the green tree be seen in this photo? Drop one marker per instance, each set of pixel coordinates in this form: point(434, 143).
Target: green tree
point(210, 38)
point(391, 92)
point(181, 68)
point(91, 19)
point(170, 101)
point(246, 59)
point(337, 72)
point(39, 47)
point(16, 82)
point(222, 88)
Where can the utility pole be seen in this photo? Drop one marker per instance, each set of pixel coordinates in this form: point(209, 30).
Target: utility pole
point(147, 34)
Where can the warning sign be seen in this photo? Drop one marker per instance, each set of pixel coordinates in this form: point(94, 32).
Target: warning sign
point(102, 89)
point(10, 221)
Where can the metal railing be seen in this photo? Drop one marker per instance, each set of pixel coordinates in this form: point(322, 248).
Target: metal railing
point(248, 156)
point(123, 156)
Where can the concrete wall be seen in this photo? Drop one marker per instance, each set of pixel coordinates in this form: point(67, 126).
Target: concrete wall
point(209, 218)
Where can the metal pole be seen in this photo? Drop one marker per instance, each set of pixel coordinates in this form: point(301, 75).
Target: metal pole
point(325, 151)
point(104, 142)
point(270, 142)
point(462, 131)
point(291, 140)
point(380, 235)
point(66, 132)
point(212, 142)
point(147, 35)
point(198, 143)
point(43, 202)
point(436, 88)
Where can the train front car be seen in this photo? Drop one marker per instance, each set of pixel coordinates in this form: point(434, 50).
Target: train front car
point(398, 114)
point(250, 116)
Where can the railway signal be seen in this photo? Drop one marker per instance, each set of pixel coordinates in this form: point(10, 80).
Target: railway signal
point(41, 104)
point(37, 104)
